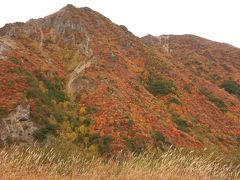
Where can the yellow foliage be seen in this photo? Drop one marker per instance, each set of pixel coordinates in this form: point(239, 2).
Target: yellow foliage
point(69, 108)
point(93, 149)
point(82, 118)
point(82, 110)
point(172, 107)
point(71, 136)
point(66, 131)
point(42, 87)
point(83, 130)
point(52, 120)
point(232, 116)
point(138, 69)
point(86, 141)
point(66, 104)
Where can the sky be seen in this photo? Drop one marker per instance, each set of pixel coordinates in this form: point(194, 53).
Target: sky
point(218, 20)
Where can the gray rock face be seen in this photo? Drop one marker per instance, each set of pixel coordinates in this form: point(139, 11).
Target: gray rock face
point(63, 26)
point(17, 125)
point(77, 81)
point(5, 45)
point(164, 41)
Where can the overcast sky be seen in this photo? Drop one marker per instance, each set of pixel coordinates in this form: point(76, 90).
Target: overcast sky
point(217, 20)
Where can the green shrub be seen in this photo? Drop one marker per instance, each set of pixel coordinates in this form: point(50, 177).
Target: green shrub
point(52, 106)
point(2, 112)
point(42, 133)
point(45, 99)
point(175, 101)
point(115, 124)
point(54, 88)
point(59, 115)
point(58, 82)
point(137, 88)
point(181, 124)
point(204, 91)
point(136, 146)
point(104, 146)
point(130, 122)
point(187, 88)
point(11, 83)
point(215, 100)
point(87, 122)
point(218, 102)
point(94, 138)
point(33, 93)
point(14, 60)
point(159, 140)
point(238, 139)
point(91, 110)
point(102, 142)
point(231, 87)
point(161, 87)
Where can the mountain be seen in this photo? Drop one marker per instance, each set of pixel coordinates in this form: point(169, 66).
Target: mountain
point(77, 76)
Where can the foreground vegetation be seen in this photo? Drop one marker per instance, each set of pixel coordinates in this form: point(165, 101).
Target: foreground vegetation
point(65, 162)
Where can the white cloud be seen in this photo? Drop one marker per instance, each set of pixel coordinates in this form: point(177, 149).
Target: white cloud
point(213, 19)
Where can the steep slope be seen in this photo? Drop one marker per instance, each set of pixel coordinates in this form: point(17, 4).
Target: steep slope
point(93, 82)
point(211, 60)
point(210, 65)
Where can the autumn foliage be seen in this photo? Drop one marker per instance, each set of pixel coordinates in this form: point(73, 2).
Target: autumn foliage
point(95, 84)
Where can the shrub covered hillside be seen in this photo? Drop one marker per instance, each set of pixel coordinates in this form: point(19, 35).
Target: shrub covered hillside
point(76, 76)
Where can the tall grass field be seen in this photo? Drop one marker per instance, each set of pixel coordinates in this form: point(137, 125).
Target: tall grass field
point(35, 162)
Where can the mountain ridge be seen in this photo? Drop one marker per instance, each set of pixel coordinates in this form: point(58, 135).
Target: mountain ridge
point(130, 91)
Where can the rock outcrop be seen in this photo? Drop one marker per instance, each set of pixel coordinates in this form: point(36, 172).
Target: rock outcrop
point(18, 125)
point(6, 44)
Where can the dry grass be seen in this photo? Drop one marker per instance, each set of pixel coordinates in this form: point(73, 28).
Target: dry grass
point(49, 163)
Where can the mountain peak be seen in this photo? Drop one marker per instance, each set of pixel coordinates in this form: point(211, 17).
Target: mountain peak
point(69, 7)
